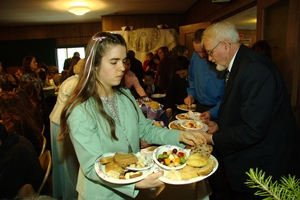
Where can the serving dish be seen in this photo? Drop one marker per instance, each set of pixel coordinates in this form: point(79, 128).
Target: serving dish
point(161, 150)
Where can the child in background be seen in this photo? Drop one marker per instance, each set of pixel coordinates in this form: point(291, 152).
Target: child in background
point(149, 86)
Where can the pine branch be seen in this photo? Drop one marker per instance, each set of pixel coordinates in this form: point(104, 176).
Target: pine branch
point(288, 188)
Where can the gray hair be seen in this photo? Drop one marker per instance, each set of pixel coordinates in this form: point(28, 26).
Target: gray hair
point(220, 31)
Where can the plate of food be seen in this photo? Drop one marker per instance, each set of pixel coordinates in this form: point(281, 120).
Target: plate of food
point(170, 157)
point(185, 108)
point(200, 164)
point(185, 116)
point(193, 125)
point(176, 125)
point(112, 167)
point(156, 96)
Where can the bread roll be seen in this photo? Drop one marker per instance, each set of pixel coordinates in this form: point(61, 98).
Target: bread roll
point(207, 168)
point(188, 172)
point(203, 149)
point(196, 160)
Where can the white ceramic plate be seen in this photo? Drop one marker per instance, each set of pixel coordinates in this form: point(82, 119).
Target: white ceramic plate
point(177, 125)
point(184, 107)
point(148, 162)
point(184, 116)
point(100, 170)
point(197, 125)
point(184, 182)
point(158, 95)
point(159, 150)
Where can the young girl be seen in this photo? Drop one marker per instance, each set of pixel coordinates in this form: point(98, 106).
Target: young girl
point(102, 116)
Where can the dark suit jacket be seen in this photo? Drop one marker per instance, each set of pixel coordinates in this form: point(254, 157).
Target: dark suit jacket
point(257, 128)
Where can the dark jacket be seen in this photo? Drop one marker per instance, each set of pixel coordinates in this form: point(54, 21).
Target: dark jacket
point(19, 165)
point(257, 127)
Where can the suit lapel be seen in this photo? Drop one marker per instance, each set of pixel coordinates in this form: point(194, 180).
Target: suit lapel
point(234, 71)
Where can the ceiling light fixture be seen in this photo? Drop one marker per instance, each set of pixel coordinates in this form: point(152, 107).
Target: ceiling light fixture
point(79, 9)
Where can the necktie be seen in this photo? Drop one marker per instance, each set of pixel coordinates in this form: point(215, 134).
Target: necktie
point(227, 76)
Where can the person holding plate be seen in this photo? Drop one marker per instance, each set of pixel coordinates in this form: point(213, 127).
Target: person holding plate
point(101, 116)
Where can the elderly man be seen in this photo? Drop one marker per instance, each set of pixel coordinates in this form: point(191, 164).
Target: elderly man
point(256, 127)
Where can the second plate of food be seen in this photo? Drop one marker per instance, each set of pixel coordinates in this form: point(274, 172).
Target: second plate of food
point(185, 108)
point(185, 116)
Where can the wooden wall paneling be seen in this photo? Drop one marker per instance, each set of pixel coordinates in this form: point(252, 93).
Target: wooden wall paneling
point(206, 10)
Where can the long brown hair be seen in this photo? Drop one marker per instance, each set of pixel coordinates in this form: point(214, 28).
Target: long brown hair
point(16, 116)
point(86, 88)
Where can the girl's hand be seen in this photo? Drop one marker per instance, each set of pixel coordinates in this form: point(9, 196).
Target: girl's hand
point(151, 181)
point(192, 137)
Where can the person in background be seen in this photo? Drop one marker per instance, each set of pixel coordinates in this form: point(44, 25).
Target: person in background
point(68, 61)
point(65, 164)
point(18, 117)
point(132, 82)
point(29, 68)
point(178, 89)
point(30, 90)
point(206, 83)
point(149, 57)
point(164, 69)
point(101, 116)
point(9, 83)
point(149, 86)
point(153, 63)
point(19, 165)
point(263, 47)
point(136, 66)
point(256, 126)
point(180, 50)
point(74, 61)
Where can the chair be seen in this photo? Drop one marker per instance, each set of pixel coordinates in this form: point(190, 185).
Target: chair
point(44, 146)
point(46, 163)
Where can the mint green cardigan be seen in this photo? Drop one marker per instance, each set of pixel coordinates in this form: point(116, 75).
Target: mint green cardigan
point(90, 135)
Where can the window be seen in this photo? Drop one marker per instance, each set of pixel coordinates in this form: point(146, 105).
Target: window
point(64, 53)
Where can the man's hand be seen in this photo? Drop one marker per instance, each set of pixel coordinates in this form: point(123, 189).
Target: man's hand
point(205, 117)
point(189, 100)
point(192, 137)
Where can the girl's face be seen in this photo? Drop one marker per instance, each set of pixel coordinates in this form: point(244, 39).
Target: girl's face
point(33, 65)
point(112, 66)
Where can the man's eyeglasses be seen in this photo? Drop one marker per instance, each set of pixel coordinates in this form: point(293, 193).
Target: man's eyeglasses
point(212, 51)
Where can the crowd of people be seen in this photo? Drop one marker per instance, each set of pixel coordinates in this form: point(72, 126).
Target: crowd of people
point(238, 91)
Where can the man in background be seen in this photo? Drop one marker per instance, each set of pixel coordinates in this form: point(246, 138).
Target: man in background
point(68, 61)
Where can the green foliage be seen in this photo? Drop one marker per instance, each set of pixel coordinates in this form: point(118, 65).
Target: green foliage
point(287, 189)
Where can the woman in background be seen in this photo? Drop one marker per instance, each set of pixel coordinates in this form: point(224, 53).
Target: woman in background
point(29, 73)
point(17, 117)
point(65, 163)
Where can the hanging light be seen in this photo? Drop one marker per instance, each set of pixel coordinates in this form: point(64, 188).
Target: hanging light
point(79, 8)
